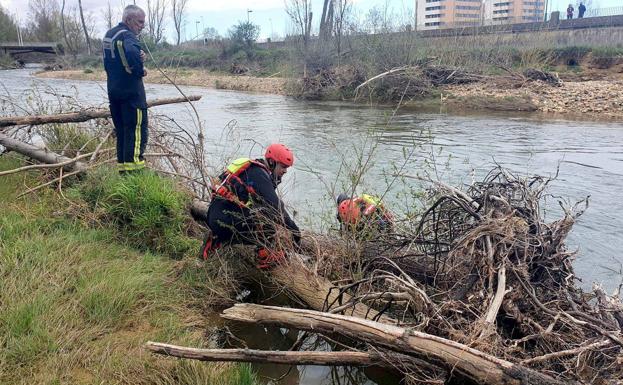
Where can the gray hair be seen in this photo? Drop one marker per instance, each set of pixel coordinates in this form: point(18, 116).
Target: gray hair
point(131, 11)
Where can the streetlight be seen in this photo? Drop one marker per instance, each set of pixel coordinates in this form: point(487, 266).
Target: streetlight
point(197, 28)
point(248, 12)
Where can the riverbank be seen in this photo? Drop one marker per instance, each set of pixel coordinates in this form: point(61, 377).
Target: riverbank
point(186, 77)
point(79, 301)
point(601, 97)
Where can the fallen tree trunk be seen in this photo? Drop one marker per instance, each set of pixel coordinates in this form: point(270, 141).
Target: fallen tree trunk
point(270, 356)
point(41, 155)
point(80, 116)
point(481, 367)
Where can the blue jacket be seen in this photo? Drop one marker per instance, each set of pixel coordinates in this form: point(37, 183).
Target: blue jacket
point(122, 61)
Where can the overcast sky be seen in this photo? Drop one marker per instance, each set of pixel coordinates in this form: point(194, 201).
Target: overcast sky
point(268, 14)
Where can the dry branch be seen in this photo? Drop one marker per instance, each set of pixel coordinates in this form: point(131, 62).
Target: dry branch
point(42, 155)
point(80, 116)
point(276, 357)
point(475, 364)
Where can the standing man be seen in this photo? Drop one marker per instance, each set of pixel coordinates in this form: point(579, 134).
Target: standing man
point(123, 61)
point(581, 10)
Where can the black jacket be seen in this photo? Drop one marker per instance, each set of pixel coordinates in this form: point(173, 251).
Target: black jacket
point(122, 61)
point(266, 202)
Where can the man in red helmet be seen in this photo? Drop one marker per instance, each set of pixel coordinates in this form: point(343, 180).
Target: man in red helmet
point(363, 214)
point(245, 207)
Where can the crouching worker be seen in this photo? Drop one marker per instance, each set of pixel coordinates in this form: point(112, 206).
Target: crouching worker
point(245, 208)
point(363, 215)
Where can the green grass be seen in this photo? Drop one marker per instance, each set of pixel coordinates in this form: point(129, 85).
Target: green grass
point(77, 302)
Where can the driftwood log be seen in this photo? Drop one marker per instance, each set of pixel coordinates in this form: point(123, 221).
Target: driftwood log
point(481, 367)
point(42, 155)
point(80, 116)
point(339, 358)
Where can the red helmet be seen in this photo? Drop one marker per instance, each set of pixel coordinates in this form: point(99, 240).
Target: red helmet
point(280, 153)
point(349, 211)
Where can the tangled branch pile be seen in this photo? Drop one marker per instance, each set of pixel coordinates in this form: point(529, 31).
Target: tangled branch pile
point(484, 269)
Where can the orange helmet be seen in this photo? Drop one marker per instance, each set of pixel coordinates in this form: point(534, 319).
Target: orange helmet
point(280, 153)
point(348, 211)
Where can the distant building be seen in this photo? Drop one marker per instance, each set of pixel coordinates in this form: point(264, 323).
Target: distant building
point(436, 14)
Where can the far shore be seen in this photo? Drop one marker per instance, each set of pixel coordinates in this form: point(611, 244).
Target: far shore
point(597, 97)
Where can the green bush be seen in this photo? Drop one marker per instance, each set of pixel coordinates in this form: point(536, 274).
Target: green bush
point(149, 212)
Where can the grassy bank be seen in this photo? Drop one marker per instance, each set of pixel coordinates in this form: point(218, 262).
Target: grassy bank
point(82, 288)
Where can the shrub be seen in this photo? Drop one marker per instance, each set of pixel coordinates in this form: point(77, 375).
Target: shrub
point(148, 211)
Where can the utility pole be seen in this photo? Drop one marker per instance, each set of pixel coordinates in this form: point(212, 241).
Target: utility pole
point(197, 29)
point(248, 12)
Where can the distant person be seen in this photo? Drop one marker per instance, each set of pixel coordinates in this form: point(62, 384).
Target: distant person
point(581, 10)
point(123, 61)
point(364, 215)
point(570, 10)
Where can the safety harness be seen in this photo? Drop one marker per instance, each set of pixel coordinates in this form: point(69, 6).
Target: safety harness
point(226, 189)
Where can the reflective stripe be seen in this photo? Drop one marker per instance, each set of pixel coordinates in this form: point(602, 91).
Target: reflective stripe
point(107, 42)
point(131, 166)
point(137, 135)
point(124, 61)
point(238, 164)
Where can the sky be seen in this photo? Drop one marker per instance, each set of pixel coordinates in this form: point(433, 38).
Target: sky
point(270, 15)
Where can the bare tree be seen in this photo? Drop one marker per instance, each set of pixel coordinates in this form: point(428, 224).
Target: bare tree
point(156, 10)
point(300, 11)
point(343, 9)
point(44, 20)
point(177, 12)
point(327, 8)
point(70, 48)
point(109, 15)
point(84, 27)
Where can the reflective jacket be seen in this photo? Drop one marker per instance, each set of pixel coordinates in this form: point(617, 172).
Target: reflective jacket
point(124, 67)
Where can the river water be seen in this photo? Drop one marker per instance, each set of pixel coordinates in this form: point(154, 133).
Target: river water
point(328, 138)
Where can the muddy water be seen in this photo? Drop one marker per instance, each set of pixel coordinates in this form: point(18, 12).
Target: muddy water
point(328, 136)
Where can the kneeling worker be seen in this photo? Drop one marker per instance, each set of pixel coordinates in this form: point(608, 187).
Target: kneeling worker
point(362, 214)
point(245, 208)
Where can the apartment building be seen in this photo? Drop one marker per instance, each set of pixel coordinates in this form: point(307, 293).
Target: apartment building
point(513, 11)
point(435, 14)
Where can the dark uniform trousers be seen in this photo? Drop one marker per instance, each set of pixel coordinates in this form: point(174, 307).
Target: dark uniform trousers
point(131, 130)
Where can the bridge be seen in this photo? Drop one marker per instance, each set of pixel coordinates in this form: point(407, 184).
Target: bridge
point(17, 48)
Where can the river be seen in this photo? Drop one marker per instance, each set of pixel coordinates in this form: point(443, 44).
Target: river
point(327, 137)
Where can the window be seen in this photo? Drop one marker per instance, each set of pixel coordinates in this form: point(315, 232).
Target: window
point(434, 23)
point(531, 18)
point(436, 7)
point(434, 1)
point(532, 11)
point(500, 11)
point(468, 15)
point(506, 4)
point(500, 18)
point(435, 16)
point(468, 7)
point(533, 3)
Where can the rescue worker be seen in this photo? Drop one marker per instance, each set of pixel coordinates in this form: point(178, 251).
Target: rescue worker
point(123, 61)
point(245, 208)
point(363, 214)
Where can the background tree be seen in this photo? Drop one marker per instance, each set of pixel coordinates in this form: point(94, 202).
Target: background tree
point(178, 8)
point(84, 28)
point(156, 9)
point(8, 26)
point(244, 34)
point(109, 16)
point(343, 9)
point(44, 20)
point(300, 12)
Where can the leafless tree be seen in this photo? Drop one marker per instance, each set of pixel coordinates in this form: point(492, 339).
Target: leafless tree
point(156, 10)
point(343, 9)
point(300, 11)
point(84, 28)
point(70, 48)
point(326, 19)
point(109, 16)
point(178, 8)
point(44, 20)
